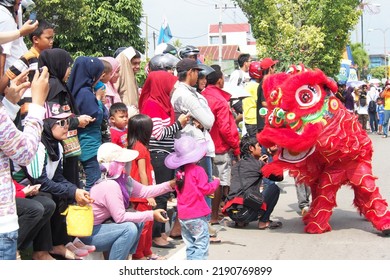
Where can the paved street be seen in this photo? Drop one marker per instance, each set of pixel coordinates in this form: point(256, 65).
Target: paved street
point(352, 237)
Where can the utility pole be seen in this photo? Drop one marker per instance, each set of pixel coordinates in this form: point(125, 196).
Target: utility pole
point(146, 36)
point(221, 8)
point(154, 40)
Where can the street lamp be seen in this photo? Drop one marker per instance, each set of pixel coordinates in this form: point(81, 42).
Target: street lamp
point(384, 44)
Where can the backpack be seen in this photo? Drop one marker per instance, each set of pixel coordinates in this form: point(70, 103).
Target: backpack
point(362, 100)
point(372, 106)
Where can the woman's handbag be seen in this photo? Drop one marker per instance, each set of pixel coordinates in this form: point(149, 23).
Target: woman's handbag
point(79, 220)
point(71, 145)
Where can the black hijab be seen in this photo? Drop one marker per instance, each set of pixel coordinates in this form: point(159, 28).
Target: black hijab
point(57, 61)
point(48, 140)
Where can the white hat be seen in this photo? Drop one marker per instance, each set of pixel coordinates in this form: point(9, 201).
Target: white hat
point(235, 91)
point(109, 152)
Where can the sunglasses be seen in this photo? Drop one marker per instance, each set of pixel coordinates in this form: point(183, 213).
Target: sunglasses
point(62, 123)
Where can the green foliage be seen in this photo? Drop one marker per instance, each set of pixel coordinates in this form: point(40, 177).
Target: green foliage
point(141, 75)
point(378, 72)
point(312, 32)
point(91, 27)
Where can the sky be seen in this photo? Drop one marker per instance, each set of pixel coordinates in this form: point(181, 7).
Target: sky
point(189, 21)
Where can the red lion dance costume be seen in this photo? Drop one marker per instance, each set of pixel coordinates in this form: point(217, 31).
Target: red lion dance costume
point(321, 144)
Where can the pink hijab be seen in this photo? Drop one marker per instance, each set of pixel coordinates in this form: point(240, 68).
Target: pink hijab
point(112, 95)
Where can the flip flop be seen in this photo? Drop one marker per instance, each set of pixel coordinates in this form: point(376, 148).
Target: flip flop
point(176, 237)
point(79, 244)
point(155, 257)
point(167, 246)
point(79, 252)
point(215, 240)
point(272, 225)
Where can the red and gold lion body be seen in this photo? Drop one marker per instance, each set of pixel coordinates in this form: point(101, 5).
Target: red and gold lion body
point(322, 145)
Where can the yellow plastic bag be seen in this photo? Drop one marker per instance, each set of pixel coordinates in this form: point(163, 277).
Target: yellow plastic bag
point(79, 220)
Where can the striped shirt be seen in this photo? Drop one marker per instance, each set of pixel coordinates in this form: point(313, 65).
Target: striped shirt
point(29, 61)
point(163, 134)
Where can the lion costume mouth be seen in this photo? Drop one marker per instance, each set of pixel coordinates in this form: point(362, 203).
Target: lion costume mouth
point(293, 157)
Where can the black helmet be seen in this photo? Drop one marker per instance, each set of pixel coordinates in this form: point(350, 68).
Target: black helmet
point(118, 51)
point(165, 48)
point(206, 70)
point(164, 61)
point(188, 51)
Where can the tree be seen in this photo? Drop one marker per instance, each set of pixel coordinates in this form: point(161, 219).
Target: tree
point(92, 27)
point(378, 72)
point(361, 59)
point(68, 17)
point(313, 32)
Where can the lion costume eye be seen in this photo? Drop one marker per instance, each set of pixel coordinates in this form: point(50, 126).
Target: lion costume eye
point(308, 96)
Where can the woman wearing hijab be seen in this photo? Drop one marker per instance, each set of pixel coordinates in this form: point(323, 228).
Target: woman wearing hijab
point(155, 102)
point(112, 95)
point(129, 60)
point(60, 100)
point(111, 199)
point(46, 170)
point(85, 75)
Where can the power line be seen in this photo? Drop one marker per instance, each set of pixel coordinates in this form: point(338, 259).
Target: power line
point(198, 4)
point(178, 37)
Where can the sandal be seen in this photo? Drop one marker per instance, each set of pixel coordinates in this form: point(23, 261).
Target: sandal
point(272, 225)
point(79, 252)
point(240, 224)
point(155, 257)
point(69, 255)
point(80, 245)
point(215, 240)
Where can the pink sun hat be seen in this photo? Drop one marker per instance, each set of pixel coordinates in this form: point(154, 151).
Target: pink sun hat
point(187, 150)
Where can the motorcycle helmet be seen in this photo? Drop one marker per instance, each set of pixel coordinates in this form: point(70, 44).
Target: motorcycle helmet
point(255, 70)
point(164, 61)
point(165, 48)
point(188, 51)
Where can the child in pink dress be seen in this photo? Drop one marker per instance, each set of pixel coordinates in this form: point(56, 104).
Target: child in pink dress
point(192, 186)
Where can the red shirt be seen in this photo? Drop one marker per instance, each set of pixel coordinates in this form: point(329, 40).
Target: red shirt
point(224, 130)
point(119, 137)
point(134, 172)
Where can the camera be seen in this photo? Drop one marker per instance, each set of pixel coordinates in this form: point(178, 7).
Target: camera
point(164, 214)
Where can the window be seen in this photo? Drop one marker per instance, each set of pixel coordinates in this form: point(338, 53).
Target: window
point(214, 40)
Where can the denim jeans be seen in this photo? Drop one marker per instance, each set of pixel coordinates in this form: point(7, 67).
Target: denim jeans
point(267, 182)
point(373, 121)
point(8, 244)
point(92, 172)
point(195, 234)
point(271, 196)
point(386, 122)
point(119, 240)
point(303, 195)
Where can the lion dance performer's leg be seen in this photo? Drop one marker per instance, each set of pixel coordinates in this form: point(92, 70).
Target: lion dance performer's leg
point(368, 199)
point(371, 204)
point(317, 220)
